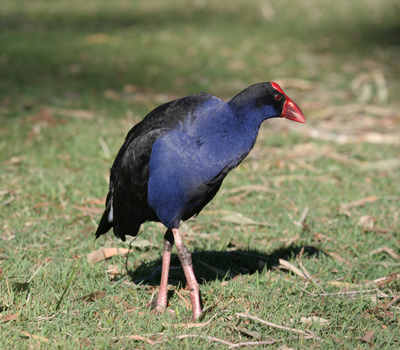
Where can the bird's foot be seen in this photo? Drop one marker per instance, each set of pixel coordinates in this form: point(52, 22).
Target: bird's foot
point(158, 305)
point(158, 310)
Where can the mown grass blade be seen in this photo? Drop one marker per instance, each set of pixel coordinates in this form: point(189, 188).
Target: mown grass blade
point(68, 283)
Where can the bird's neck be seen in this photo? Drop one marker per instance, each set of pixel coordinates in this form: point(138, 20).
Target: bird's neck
point(247, 114)
point(248, 120)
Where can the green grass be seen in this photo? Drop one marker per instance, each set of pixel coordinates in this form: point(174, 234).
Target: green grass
point(115, 61)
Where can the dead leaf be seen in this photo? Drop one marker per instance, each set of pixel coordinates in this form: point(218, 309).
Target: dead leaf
point(37, 337)
point(336, 339)
point(389, 314)
point(366, 222)
point(91, 297)
point(138, 337)
point(346, 286)
point(368, 336)
point(338, 258)
point(105, 253)
point(381, 313)
point(358, 203)
point(314, 319)
point(9, 318)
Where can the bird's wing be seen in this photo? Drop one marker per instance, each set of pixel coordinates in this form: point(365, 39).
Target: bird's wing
point(126, 203)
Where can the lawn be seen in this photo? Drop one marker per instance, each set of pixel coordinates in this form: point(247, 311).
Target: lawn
point(300, 247)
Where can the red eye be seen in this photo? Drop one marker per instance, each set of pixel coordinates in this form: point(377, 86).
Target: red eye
point(278, 97)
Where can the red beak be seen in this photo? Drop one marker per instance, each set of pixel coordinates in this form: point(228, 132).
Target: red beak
point(290, 109)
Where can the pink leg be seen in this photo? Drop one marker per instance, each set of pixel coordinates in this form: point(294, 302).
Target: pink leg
point(160, 303)
point(186, 261)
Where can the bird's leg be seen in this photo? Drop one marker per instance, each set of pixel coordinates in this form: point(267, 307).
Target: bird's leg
point(160, 303)
point(186, 261)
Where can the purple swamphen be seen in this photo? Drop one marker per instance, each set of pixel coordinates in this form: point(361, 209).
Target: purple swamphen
point(173, 163)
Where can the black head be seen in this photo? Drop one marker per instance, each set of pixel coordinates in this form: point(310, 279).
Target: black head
point(270, 100)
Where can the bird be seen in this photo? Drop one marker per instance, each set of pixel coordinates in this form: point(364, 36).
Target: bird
point(174, 161)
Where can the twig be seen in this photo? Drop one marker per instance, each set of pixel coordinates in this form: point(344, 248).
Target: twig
point(291, 267)
point(394, 300)
point(379, 293)
point(45, 318)
point(183, 336)
point(206, 323)
point(387, 279)
point(267, 342)
point(389, 251)
point(305, 287)
point(40, 267)
point(302, 218)
point(188, 306)
point(152, 297)
point(311, 278)
point(306, 273)
point(270, 324)
point(251, 343)
point(231, 345)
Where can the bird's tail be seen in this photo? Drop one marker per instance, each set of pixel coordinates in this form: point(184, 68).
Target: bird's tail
point(104, 225)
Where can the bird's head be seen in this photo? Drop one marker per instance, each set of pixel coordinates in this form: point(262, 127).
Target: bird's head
point(289, 109)
point(266, 100)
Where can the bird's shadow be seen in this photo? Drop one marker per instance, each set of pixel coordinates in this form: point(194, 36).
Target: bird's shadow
point(218, 265)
